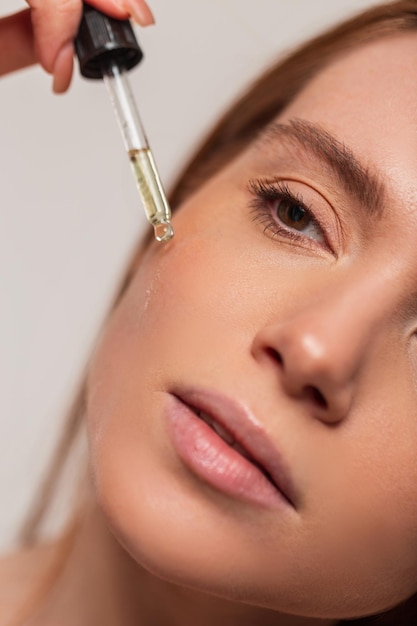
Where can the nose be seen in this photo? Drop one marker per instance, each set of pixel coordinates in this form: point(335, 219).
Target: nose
point(317, 353)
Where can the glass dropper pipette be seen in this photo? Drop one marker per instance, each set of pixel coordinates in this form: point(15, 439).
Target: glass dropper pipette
point(140, 155)
point(107, 49)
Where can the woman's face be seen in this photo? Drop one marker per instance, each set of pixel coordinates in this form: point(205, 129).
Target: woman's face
point(285, 308)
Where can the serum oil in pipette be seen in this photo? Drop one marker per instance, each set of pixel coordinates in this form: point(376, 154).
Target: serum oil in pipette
point(151, 192)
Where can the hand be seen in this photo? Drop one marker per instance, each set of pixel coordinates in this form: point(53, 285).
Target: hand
point(44, 34)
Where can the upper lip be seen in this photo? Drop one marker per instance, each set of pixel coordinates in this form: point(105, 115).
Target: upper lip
point(238, 420)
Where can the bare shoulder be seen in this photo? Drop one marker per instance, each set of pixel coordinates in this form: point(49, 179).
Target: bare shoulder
point(19, 574)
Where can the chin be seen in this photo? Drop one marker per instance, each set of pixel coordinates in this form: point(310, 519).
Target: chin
point(174, 539)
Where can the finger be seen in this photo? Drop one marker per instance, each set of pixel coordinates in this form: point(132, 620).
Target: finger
point(139, 11)
point(63, 69)
point(16, 42)
point(122, 9)
point(55, 24)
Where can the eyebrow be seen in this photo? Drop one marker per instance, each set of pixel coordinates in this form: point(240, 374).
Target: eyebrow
point(359, 181)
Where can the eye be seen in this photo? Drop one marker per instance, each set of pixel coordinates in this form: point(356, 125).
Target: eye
point(284, 213)
point(294, 215)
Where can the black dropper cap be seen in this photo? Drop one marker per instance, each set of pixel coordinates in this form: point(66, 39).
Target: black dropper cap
point(102, 38)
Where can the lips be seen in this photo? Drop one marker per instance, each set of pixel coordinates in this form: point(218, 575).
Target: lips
point(230, 440)
point(222, 432)
point(239, 429)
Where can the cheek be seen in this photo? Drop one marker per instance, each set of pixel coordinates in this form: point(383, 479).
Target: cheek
point(188, 295)
point(173, 324)
point(368, 487)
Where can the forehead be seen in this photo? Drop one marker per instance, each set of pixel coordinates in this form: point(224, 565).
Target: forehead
point(368, 99)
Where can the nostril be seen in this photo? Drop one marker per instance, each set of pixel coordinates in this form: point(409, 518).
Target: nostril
point(309, 392)
point(316, 396)
point(275, 355)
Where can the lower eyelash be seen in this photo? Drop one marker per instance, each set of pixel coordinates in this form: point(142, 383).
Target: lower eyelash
point(265, 193)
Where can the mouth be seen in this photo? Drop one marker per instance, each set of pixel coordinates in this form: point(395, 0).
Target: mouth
point(226, 445)
point(231, 441)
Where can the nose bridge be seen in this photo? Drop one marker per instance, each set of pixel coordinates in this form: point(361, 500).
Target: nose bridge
point(334, 330)
point(351, 311)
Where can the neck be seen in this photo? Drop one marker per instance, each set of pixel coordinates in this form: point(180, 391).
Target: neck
point(100, 585)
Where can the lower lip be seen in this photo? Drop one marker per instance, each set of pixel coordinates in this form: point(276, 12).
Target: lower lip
point(216, 463)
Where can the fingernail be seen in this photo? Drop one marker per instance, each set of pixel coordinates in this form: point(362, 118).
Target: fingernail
point(139, 11)
point(63, 69)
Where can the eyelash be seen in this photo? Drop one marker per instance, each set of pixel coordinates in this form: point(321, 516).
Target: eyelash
point(266, 193)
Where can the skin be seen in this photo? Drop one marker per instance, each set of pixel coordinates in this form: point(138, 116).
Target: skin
point(265, 319)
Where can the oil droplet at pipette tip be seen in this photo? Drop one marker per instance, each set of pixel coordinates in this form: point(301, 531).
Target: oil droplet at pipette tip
point(163, 231)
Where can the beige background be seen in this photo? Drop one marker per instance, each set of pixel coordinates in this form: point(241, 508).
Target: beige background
point(69, 210)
